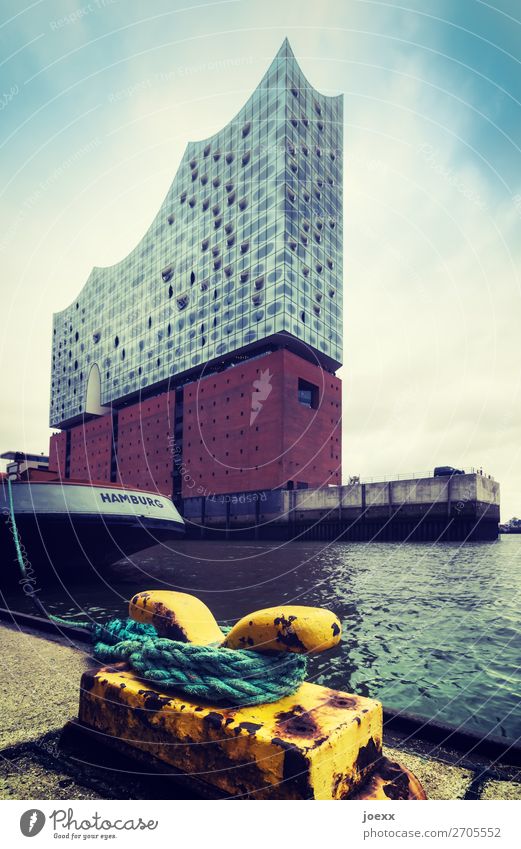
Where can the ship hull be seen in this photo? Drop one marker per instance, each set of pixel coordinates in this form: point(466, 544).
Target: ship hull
point(66, 529)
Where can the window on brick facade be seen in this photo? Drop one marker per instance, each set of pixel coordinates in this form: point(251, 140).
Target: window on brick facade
point(307, 394)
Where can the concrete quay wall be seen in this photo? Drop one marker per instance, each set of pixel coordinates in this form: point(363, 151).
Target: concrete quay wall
point(457, 508)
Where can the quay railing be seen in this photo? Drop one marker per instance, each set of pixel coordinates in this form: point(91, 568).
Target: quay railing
point(404, 476)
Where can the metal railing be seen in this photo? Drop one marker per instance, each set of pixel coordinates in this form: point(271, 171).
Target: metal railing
point(404, 476)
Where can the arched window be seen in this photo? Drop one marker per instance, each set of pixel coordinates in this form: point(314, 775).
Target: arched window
point(93, 392)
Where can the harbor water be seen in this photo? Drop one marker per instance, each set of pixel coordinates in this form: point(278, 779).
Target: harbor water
point(429, 629)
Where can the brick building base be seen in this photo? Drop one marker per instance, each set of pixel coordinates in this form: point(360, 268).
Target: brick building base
point(269, 422)
point(245, 429)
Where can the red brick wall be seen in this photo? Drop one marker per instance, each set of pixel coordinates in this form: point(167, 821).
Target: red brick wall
point(145, 451)
point(91, 445)
point(226, 449)
point(57, 450)
point(312, 437)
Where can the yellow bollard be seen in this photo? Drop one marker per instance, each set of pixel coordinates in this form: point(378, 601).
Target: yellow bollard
point(178, 616)
point(390, 781)
point(286, 628)
point(315, 744)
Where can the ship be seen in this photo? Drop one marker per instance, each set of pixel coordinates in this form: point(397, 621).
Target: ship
point(67, 526)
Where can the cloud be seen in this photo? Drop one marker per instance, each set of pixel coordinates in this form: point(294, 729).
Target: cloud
point(432, 294)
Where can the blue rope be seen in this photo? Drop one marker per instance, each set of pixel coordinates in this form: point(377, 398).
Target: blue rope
point(219, 675)
point(232, 677)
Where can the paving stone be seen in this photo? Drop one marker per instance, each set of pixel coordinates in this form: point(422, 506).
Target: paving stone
point(40, 684)
point(439, 780)
point(26, 778)
point(501, 790)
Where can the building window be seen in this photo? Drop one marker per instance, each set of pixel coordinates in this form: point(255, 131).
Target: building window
point(307, 394)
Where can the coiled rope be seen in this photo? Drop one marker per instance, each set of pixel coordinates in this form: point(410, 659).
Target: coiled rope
point(219, 675)
point(233, 677)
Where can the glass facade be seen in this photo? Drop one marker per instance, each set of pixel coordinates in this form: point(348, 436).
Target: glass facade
point(247, 246)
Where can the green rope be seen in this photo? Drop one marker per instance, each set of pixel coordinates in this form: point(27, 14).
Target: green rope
point(231, 677)
point(218, 675)
point(14, 528)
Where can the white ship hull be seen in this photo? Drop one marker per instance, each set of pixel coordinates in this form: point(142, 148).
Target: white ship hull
point(73, 525)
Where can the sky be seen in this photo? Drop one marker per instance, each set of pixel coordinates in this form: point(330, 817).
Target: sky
point(98, 100)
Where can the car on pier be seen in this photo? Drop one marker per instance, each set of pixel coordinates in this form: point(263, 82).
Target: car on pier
point(447, 471)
